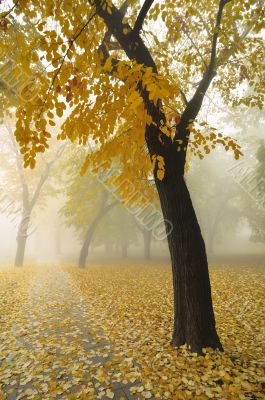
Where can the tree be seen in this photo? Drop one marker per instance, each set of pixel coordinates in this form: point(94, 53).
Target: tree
point(105, 207)
point(27, 187)
point(216, 199)
point(117, 228)
point(120, 95)
point(147, 238)
point(87, 202)
point(255, 211)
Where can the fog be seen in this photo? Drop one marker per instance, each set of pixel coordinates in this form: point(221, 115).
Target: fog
point(228, 196)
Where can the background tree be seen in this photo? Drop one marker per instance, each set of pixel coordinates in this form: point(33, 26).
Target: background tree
point(87, 202)
point(119, 95)
point(255, 211)
point(118, 230)
point(27, 189)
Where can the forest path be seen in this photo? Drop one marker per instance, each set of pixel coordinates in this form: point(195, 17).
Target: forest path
point(57, 350)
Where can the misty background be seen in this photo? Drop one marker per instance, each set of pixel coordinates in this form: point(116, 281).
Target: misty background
point(228, 195)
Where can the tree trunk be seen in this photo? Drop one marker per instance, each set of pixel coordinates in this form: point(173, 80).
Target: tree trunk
point(22, 236)
point(108, 247)
point(194, 322)
point(210, 243)
point(91, 230)
point(20, 253)
point(147, 244)
point(194, 317)
point(86, 244)
point(117, 248)
point(124, 250)
point(58, 240)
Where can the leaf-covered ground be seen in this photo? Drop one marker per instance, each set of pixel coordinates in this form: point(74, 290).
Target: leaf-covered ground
point(104, 333)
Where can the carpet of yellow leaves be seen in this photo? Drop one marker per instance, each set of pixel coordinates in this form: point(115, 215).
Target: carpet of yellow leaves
point(14, 284)
point(133, 304)
point(52, 347)
point(104, 332)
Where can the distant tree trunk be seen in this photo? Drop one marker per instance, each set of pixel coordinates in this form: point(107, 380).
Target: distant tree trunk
point(210, 242)
point(87, 241)
point(91, 230)
point(147, 237)
point(22, 236)
point(58, 239)
point(124, 249)
point(215, 221)
point(147, 243)
point(194, 322)
point(28, 204)
point(108, 247)
point(212, 235)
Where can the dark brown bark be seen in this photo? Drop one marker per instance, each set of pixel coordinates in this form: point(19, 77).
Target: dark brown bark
point(194, 322)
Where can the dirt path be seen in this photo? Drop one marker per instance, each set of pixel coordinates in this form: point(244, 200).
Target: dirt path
point(57, 351)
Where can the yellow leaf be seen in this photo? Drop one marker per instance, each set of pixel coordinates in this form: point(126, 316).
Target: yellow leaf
point(160, 174)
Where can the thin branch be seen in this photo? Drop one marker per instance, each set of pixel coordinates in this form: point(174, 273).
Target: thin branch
point(216, 34)
point(142, 14)
point(184, 98)
point(194, 105)
point(17, 154)
point(195, 46)
point(11, 9)
point(203, 22)
point(114, 46)
point(45, 175)
point(76, 36)
point(227, 52)
point(20, 169)
point(124, 8)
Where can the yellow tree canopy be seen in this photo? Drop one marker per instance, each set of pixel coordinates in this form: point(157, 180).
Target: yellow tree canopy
point(75, 68)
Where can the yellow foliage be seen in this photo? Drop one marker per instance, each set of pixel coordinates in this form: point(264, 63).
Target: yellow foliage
point(67, 71)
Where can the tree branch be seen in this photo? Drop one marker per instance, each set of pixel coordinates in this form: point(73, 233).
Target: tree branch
point(194, 105)
point(195, 46)
point(228, 52)
point(130, 42)
point(216, 34)
point(106, 44)
point(184, 98)
point(136, 50)
point(142, 14)
point(45, 176)
point(76, 36)
point(17, 155)
point(11, 9)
